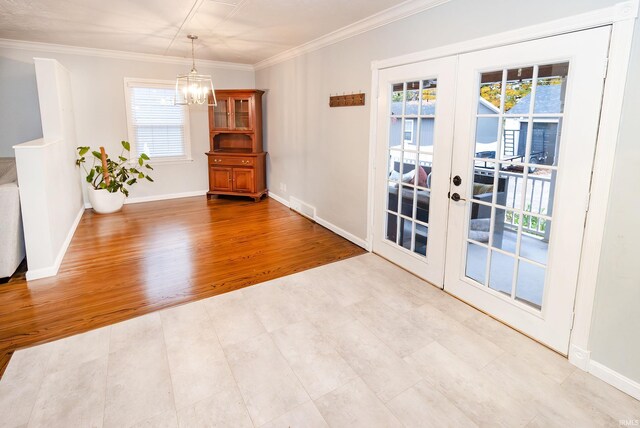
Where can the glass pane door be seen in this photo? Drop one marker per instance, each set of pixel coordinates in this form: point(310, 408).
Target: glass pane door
point(517, 137)
point(526, 127)
point(221, 114)
point(413, 157)
point(241, 113)
point(410, 153)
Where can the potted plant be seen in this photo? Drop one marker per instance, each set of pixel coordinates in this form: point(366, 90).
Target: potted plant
point(109, 180)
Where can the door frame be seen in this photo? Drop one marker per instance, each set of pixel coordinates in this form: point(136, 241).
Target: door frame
point(621, 17)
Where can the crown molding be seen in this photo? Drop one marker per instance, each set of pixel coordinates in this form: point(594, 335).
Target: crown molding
point(130, 56)
point(395, 13)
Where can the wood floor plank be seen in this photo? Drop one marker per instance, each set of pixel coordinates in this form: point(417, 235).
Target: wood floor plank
point(156, 255)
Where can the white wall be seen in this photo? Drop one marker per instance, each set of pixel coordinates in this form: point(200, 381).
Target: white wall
point(98, 95)
point(19, 110)
point(320, 153)
point(50, 191)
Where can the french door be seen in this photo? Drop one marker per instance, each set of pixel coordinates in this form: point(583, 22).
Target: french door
point(509, 176)
point(413, 160)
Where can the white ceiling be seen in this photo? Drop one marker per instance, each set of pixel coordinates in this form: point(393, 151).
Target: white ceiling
point(242, 31)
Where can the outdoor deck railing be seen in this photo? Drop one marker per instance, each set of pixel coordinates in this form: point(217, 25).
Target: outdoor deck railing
point(536, 201)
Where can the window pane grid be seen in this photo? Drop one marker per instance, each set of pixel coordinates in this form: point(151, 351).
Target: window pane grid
point(158, 126)
point(420, 222)
point(523, 161)
point(412, 105)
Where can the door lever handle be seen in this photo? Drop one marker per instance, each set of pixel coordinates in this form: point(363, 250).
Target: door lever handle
point(455, 197)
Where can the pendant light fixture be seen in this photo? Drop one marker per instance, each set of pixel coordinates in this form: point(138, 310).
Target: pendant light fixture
point(194, 88)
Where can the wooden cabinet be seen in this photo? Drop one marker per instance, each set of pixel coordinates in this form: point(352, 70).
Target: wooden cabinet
point(237, 164)
point(237, 174)
point(220, 179)
point(235, 124)
point(243, 180)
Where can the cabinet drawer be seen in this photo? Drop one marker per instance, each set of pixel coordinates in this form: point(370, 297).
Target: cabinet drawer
point(231, 160)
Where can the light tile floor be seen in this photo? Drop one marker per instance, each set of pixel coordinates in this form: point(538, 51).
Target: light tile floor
point(355, 343)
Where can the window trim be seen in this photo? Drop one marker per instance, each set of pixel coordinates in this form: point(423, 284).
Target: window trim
point(155, 83)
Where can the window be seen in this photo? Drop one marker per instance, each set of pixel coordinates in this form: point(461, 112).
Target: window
point(408, 131)
point(157, 127)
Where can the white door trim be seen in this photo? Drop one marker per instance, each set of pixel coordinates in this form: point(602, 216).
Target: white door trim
point(622, 17)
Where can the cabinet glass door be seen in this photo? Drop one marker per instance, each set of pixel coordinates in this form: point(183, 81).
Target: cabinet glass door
point(221, 114)
point(242, 120)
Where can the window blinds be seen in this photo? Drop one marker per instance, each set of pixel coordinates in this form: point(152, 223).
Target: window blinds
point(158, 124)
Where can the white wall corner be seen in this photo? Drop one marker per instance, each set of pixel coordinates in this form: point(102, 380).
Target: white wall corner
point(623, 383)
point(579, 357)
point(53, 270)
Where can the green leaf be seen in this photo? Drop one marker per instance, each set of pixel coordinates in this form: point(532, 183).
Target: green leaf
point(122, 158)
point(96, 154)
point(149, 178)
point(148, 166)
point(126, 145)
point(140, 175)
point(132, 181)
point(144, 156)
point(83, 150)
point(140, 161)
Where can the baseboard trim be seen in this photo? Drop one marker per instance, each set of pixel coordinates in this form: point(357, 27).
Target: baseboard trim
point(346, 235)
point(579, 357)
point(615, 379)
point(33, 274)
point(153, 198)
point(280, 199)
point(165, 197)
point(324, 223)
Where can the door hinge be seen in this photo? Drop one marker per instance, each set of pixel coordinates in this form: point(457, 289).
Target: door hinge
point(588, 201)
point(605, 68)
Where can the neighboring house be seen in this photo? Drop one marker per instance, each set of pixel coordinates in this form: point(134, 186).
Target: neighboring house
point(546, 131)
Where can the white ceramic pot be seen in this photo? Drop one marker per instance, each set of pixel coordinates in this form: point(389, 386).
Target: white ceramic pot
point(104, 202)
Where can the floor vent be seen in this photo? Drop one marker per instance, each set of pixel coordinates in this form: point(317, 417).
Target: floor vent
point(306, 210)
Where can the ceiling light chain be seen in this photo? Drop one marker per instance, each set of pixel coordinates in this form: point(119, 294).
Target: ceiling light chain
point(193, 54)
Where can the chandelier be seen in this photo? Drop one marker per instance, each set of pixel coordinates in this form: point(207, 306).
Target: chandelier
point(194, 88)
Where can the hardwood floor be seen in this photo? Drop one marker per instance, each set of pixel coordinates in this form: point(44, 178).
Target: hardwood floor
point(160, 254)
